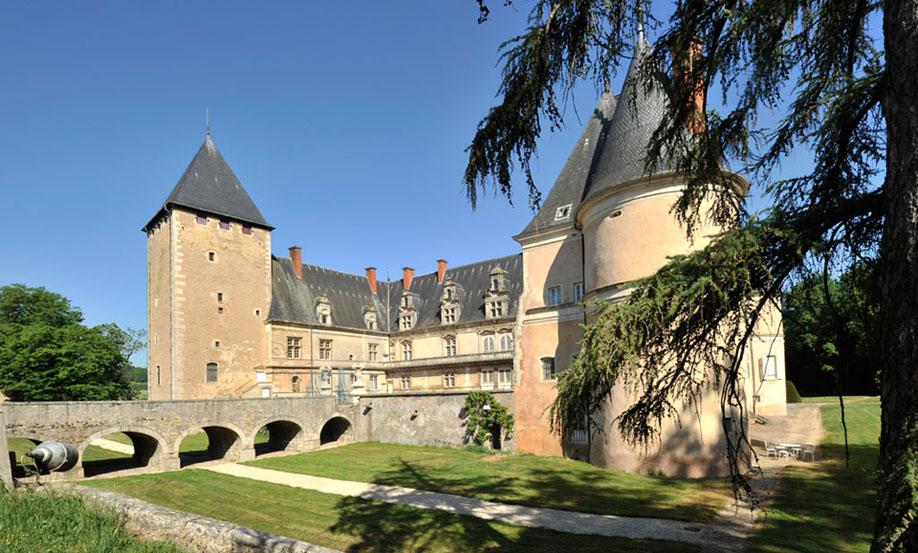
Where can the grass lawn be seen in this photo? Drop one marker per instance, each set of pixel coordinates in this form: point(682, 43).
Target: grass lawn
point(834, 399)
point(827, 507)
point(522, 479)
point(353, 524)
point(53, 521)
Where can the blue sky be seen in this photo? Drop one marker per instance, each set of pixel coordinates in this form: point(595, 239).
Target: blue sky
point(346, 122)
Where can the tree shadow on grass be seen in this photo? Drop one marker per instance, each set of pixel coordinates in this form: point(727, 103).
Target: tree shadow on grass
point(824, 507)
point(388, 527)
point(572, 487)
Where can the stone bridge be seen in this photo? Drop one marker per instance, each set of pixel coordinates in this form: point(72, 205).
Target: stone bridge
point(157, 428)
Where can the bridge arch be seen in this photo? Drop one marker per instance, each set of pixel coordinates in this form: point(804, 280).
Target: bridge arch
point(149, 447)
point(224, 441)
point(338, 428)
point(284, 434)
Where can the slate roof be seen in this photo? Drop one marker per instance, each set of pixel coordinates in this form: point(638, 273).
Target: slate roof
point(294, 300)
point(611, 149)
point(572, 181)
point(209, 185)
point(638, 114)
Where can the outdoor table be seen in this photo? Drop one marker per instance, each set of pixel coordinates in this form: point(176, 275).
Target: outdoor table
point(793, 448)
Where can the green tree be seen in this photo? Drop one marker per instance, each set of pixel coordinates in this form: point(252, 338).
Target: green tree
point(848, 100)
point(831, 329)
point(46, 354)
point(485, 415)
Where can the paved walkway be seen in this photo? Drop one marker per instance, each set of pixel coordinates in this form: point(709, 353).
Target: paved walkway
point(112, 445)
point(552, 519)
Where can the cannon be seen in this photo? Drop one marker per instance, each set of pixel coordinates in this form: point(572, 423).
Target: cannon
point(54, 456)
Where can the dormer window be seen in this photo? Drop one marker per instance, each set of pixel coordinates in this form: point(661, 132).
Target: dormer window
point(448, 314)
point(498, 279)
point(563, 212)
point(369, 317)
point(323, 310)
point(495, 309)
point(407, 314)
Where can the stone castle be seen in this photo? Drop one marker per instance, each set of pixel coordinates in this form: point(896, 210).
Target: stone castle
point(229, 319)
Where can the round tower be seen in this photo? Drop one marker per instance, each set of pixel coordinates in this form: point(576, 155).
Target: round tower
point(629, 232)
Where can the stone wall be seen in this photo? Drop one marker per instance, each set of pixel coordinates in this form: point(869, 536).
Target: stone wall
point(158, 427)
point(436, 419)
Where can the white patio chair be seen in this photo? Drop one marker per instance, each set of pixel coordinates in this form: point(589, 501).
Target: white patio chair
point(808, 450)
point(771, 449)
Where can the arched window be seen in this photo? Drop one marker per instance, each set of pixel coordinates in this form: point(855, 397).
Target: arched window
point(488, 344)
point(295, 383)
point(506, 342)
point(449, 345)
point(211, 372)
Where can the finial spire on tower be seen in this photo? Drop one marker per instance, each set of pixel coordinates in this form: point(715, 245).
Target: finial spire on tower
point(640, 22)
point(207, 121)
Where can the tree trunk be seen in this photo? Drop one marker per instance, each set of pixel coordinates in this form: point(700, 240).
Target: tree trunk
point(897, 527)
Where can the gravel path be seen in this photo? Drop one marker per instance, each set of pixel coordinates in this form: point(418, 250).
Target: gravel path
point(552, 519)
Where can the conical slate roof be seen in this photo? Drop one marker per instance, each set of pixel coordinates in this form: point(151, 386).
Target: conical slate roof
point(640, 111)
point(209, 185)
point(612, 148)
point(573, 180)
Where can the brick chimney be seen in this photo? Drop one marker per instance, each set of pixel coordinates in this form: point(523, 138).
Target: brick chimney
point(407, 275)
point(683, 66)
point(296, 257)
point(371, 278)
point(441, 270)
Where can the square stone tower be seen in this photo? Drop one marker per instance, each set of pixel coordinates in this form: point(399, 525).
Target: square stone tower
point(208, 285)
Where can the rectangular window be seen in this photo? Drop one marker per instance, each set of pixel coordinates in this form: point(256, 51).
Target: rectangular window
point(201, 220)
point(406, 322)
point(211, 372)
point(246, 230)
point(224, 225)
point(496, 309)
point(406, 382)
point(219, 296)
point(159, 382)
point(325, 349)
point(372, 350)
point(293, 347)
point(504, 379)
point(219, 310)
point(217, 344)
point(487, 378)
point(325, 378)
point(578, 291)
point(374, 382)
point(449, 380)
point(554, 295)
point(548, 368)
point(579, 436)
point(261, 376)
point(771, 367)
point(211, 256)
point(450, 347)
point(406, 351)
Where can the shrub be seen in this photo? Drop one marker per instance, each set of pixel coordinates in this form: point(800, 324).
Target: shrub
point(481, 422)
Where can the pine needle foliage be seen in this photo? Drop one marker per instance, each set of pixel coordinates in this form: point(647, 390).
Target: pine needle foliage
point(842, 74)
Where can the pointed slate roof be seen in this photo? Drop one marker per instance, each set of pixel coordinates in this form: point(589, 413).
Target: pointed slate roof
point(611, 149)
point(638, 114)
point(209, 185)
point(572, 181)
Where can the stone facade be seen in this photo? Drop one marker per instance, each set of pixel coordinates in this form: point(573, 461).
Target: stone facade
point(228, 319)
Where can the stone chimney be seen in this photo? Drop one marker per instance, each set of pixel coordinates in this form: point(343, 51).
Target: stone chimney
point(407, 275)
point(296, 257)
point(371, 278)
point(441, 270)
